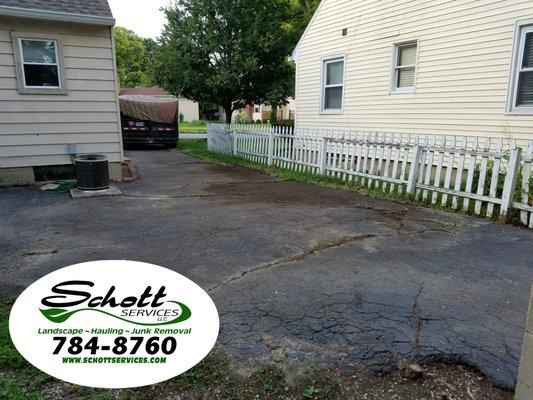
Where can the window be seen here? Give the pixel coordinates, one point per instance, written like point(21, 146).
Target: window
point(404, 67)
point(333, 85)
point(521, 93)
point(38, 64)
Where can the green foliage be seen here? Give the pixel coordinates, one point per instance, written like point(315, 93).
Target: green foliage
point(265, 121)
point(301, 13)
point(310, 392)
point(29, 380)
point(9, 357)
point(258, 121)
point(150, 47)
point(243, 118)
point(192, 127)
point(285, 122)
point(182, 117)
point(274, 115)
point(227, 52)
point(133, 60)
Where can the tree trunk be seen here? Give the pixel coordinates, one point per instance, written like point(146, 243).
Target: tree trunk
point(228, 110)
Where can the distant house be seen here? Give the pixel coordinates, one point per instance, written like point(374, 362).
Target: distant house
point(190, 109)
point(450, 67)
point(58, 88)
point(263, 111)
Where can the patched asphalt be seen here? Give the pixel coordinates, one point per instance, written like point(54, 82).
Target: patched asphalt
point(297, 271)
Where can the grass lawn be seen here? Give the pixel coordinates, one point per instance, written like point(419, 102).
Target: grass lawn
point(192, 127)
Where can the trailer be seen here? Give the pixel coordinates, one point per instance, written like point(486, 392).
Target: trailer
point(149, 120)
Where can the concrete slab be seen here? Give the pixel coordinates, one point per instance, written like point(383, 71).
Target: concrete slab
point(87, 194)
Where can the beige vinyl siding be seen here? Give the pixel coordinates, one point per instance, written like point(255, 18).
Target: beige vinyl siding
point(462, 76)
point(37, 129)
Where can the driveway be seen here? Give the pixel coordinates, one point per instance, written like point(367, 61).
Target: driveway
point(296, 270)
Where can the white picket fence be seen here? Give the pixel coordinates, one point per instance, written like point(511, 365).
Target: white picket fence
point(487, 176)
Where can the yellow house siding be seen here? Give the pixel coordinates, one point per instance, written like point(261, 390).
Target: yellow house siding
point(37, 129)
point(464, 58)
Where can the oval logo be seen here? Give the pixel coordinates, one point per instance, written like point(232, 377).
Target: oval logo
point(114, 324)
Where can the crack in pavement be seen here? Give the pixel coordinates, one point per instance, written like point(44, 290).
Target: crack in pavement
point(184, 163)
point(297, 257)
point(184, 196)
point(417, 318)
point(400, 216)
point(321, 247)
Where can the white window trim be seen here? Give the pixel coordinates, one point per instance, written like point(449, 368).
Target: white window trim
point(24, 63)
point(324, 61)
point(522, 27)
point(17, 38)
point(393, 89)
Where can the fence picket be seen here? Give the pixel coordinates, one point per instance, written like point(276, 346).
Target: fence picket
point(438, 177)
point(429, 172)
point(526, 189)
point(494, 178)
point(395, 164)
point(469, 180)
point(482, 177)
point(459, 174)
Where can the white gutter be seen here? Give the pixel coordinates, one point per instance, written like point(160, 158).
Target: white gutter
point(45, 15)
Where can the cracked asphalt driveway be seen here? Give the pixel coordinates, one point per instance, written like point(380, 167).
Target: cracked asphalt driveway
point(296, 270)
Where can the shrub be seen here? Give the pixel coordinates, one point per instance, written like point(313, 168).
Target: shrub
point(182, 117)
point(285, 122)
point(274, 115)
point(242, 118)
point(258, 121)
point(265, 121)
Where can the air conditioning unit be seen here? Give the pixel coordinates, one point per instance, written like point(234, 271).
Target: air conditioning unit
point(92, 172)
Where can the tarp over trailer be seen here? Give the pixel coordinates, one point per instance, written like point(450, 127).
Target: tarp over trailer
point(150, 108)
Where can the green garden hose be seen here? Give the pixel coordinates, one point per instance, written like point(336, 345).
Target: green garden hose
point(63, 187)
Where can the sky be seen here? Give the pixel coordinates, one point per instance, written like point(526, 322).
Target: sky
point(141, 16)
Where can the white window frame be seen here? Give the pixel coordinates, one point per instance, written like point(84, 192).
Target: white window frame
point(17, 39)
point(325, 61)
point(522, 28)
point(24, 63)
point(394, 89)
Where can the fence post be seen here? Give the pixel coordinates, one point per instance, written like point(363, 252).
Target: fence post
point(509, 186)
point(234, 138)
point(413, 171)
point(323, 155)
point(271, 148)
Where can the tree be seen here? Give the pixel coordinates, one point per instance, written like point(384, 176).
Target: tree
point(226, 52)
point(132, 61)
point(302, 11)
